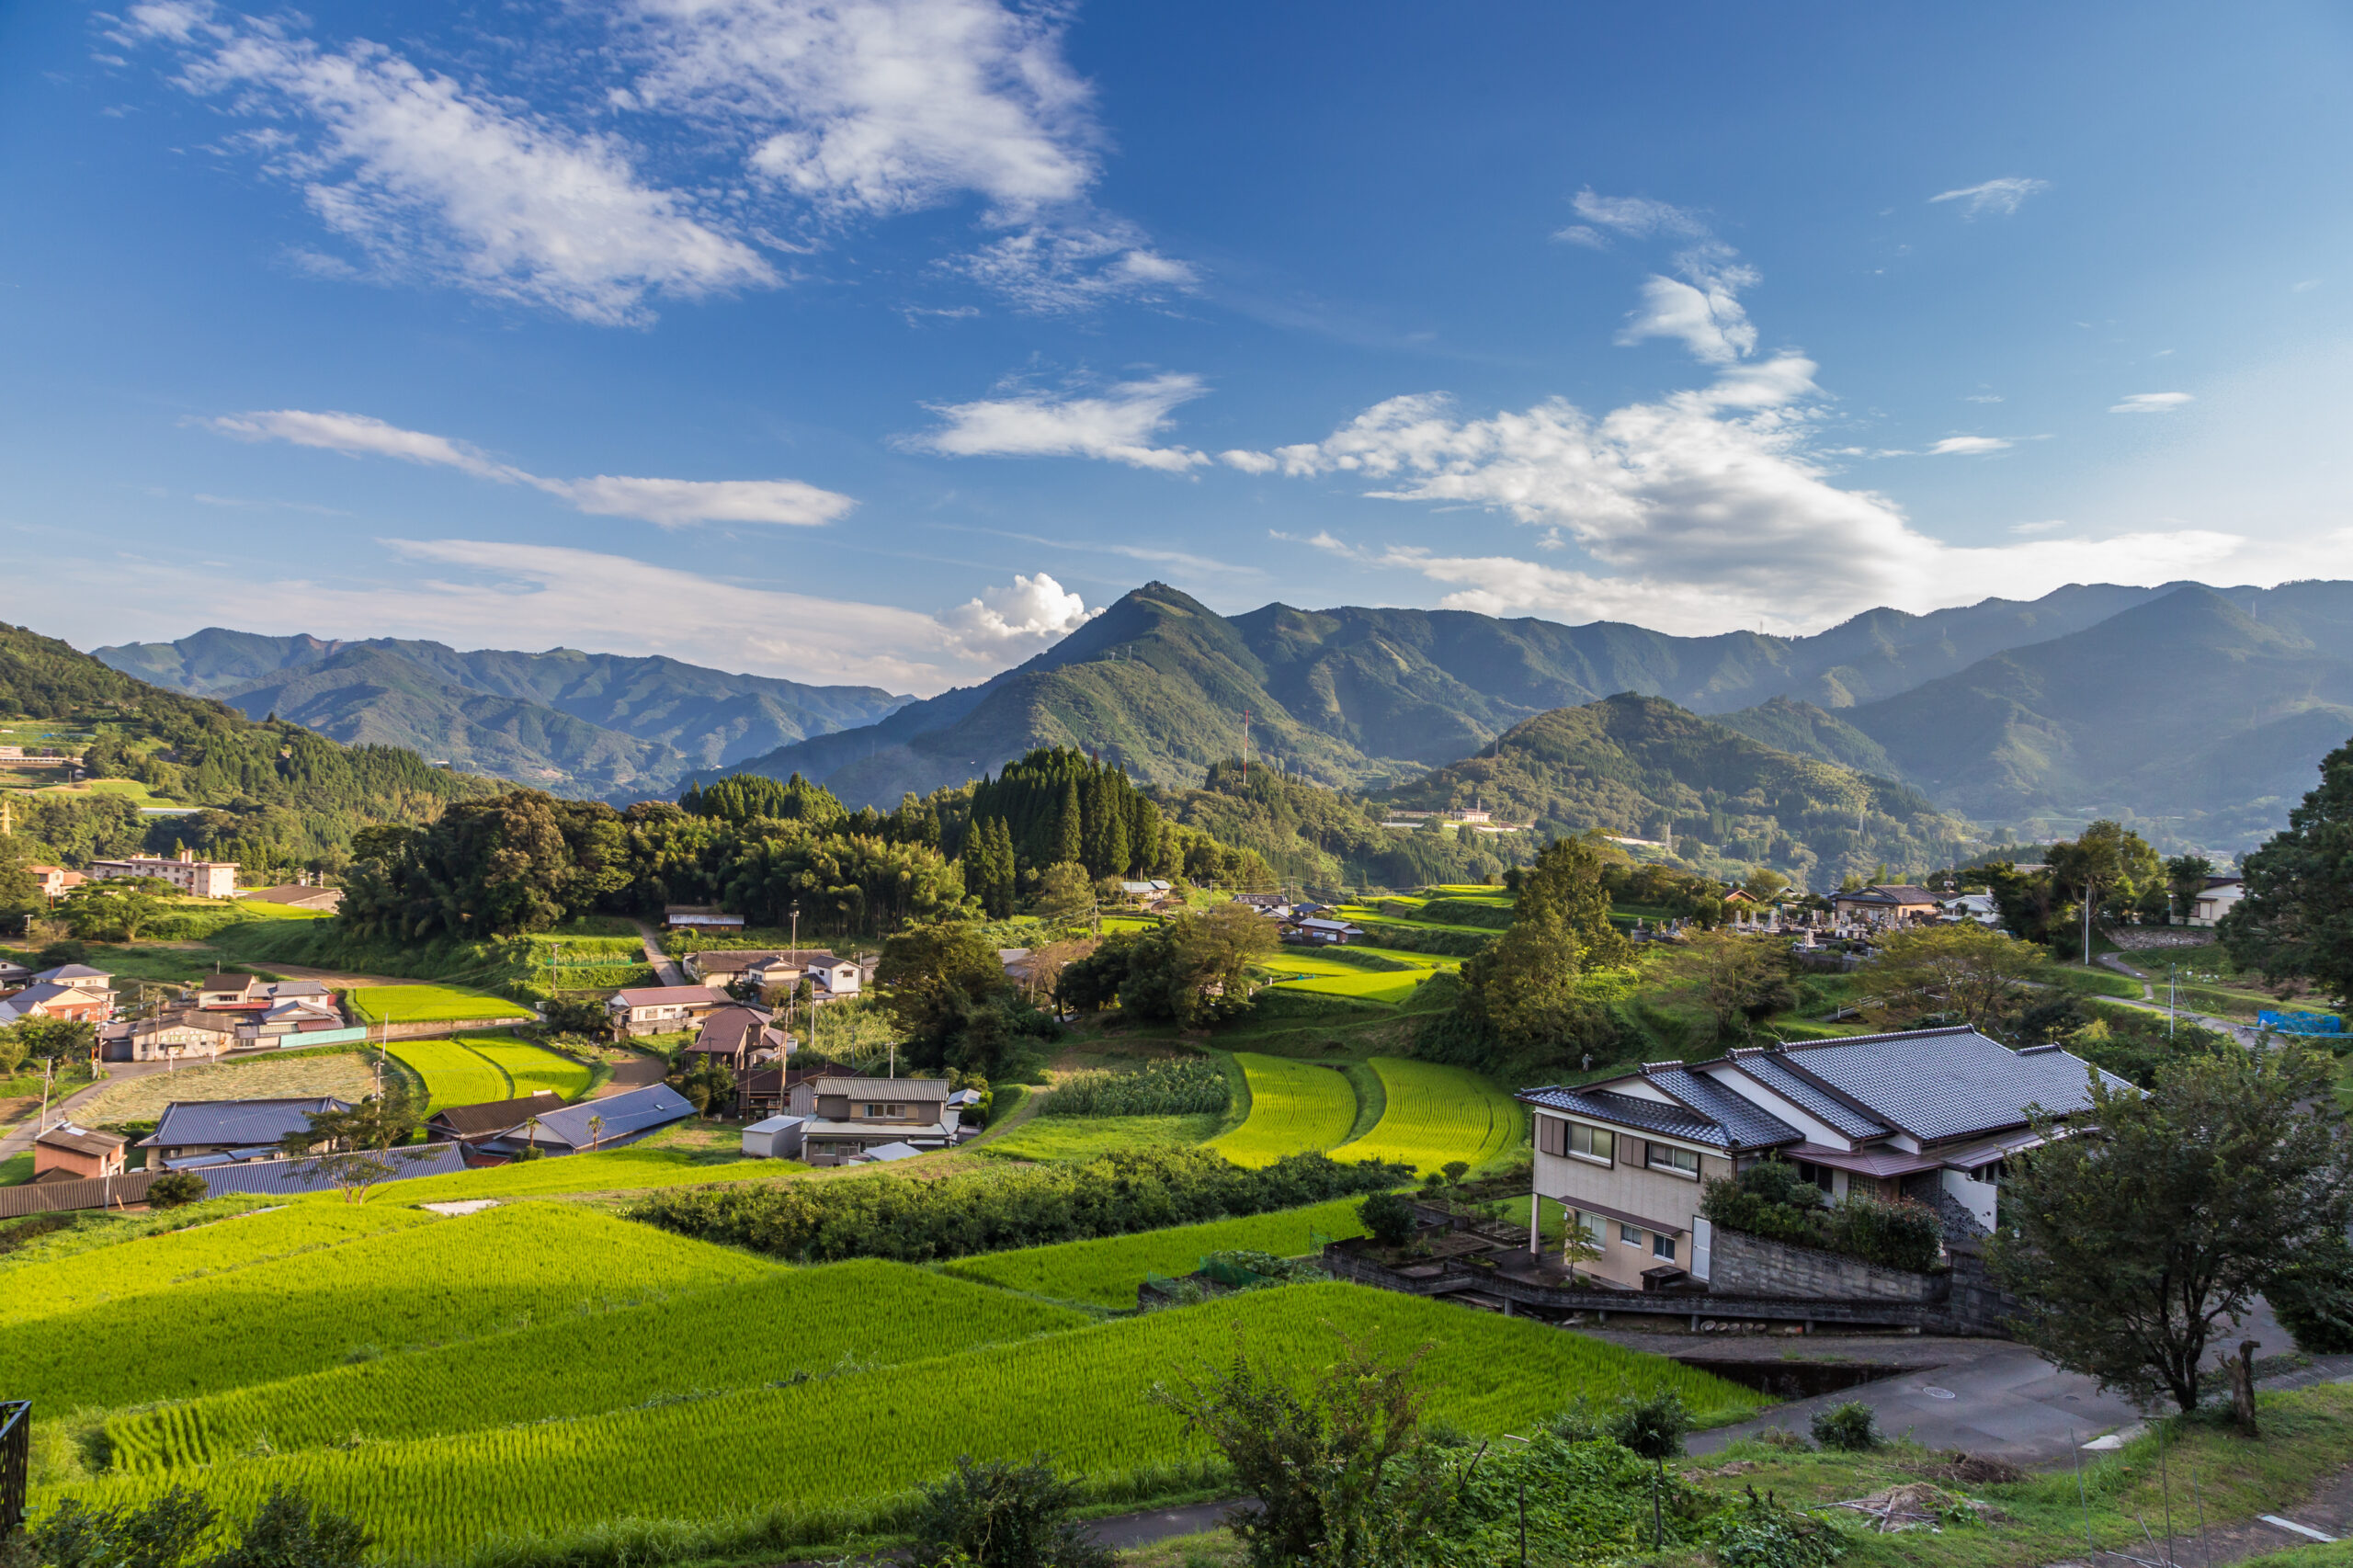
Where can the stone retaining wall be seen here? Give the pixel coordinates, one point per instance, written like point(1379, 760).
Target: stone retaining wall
point(1751, 1266)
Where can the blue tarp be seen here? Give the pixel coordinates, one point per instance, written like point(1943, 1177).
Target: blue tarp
point(2301, 1023)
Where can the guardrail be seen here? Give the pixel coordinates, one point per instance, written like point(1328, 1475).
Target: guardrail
point(15, 1463)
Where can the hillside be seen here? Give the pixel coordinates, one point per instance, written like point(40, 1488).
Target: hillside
point(2203, 711)
point(276, 793)
point(1643, 767)
point(1804, 730)
point(582, 724)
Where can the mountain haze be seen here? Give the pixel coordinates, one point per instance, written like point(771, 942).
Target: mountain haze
point(598, 724)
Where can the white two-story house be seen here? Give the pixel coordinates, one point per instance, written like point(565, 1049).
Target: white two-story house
point(1928, 1114)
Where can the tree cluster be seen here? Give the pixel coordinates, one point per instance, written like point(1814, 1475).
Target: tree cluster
point(1192, 969)
point(2296, 920)
point(1522, 1007)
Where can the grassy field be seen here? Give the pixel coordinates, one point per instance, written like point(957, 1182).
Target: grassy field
point(1081, 1395)
point(347, 1075)
point(430, 1003)
point(632, 1169)
point(1294, 1108)
point(1105, 1271)
point(529, 1068)
point(406, 1285)
point(1299, 969)
point(1081, 1137)
point(807, 1323)
point(1435, 1114)
point(451, 1074)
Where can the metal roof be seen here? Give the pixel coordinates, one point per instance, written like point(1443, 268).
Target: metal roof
point(234, 1123)
point(886, 1088)
point(1774, 1075)
point(1625, 1111)
point(1943, 1083)
point(1746, 1124)
point(672, 996)
point(640, 1110)
point(488, 1117)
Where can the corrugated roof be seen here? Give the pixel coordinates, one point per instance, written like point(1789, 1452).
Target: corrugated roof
point(885, 1088)
point(1746, 1124)
point(672, 996)
point(1943, 1083)
point(1775, 1075)
point(234, 1123)
point(81, 1139)
point(656, 1105)
point(496, 1116)
point(1625, 1111)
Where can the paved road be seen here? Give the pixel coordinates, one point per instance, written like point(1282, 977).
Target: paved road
point(2241, 1032)
point(19, 1138)
point(665, 969)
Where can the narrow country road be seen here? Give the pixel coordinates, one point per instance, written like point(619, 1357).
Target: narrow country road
point(665, 969)
point(2243, 1033)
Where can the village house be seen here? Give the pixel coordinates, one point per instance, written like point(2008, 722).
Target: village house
point(482, 1123)
point(736, 1036)
point(53, 882)
point(662, 1009)
point(175, 1032)
point(199, 878)
point(786, 1089)
point(700, 917)
point(67, 1152)
point(12, 975)
point(192, 1134)
point(613, 1123)
point(1884, 907)
point(46, 999)
point(1316, 931)
point(2216, 899)
point(853, 1115)
point(1925, 1114)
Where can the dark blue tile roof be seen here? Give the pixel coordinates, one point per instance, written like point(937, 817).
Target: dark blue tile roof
point(1944, 1083)
point(234, 1123)
point(1625, 1111)
point(640, 1110)
point(1769, 1070)
point(285, 1178)
point(1746, 1124)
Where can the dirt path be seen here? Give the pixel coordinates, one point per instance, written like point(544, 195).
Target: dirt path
point(665, 969)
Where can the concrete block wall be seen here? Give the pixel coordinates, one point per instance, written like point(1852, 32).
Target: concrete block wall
point(1751, 1266)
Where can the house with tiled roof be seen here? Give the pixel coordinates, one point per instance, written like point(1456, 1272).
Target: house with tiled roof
point(1924, 1114)
point(1888, 904)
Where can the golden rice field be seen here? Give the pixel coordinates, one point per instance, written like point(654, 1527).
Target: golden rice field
point(1295, 1108)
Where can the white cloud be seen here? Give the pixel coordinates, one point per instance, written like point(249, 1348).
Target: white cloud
point(1582, 234)
point(1047, 268)
point(1249, 462)
point(1999, 196)
point(1968, 446)
point(1118, 427)
point(2150, 402)
point(430, 180)
point(1983, 397)
point(2028, 530)
point(884, 106)
point(671, 503)
point(1638, 216)
point(1708, 318)
point(1009, 624)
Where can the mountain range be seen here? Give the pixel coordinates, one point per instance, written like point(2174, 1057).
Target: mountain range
point(2197, 713)
point(586, 724)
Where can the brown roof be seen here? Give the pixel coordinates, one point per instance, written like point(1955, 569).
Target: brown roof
point(295, 892)
point(82, 1142)
point(733, 960)
point(493, 1116)
point(732, 1031)
point(672, 996)
point(880, 1089)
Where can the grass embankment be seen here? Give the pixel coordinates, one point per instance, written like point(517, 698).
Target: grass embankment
point(1105, 1272)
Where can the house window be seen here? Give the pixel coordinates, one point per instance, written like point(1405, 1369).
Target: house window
point(1667, 1159)
point(1663, 1246)
point(1630, 1234)
point(1552, 1135)
point(1593, 1142)
point(885, 1111)
point(1818, 1174)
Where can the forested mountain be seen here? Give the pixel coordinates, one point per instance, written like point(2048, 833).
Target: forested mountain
point(579, 724)
point(1643, 767)
point(277, 794)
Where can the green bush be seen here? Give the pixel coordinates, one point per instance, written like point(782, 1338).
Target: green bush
point(1468, 912)
point(2312, 1299)
point(1190, 1085)
point(1769, 1199)
point(915, 1222)
point(1848, 1427)
point(1000, 1514)
point(178, 1189)
point(1763, 1532)
point(1389, 1218)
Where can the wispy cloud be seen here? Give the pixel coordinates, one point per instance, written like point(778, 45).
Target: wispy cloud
point(1968, 446)
point(1119, 426)
point(430, 180)
point(1049, 269)
point(671, 503)
point(1999, 197)
point(2151, 403)
point(1638, 216)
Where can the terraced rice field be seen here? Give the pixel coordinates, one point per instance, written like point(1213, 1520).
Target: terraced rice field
point(803, 1322)
point(1435, 1114)
point(473, 1069)
point(1300, 970)
point(631, 1169)
point(1081, 1395)
point(1105, 1271)
point(412, 1284)
point(1294, 1108)
point(430, 1004)
point(1083, 1137)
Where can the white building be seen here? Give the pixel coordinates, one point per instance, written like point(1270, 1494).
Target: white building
point(2220, 896)
point(199, 878)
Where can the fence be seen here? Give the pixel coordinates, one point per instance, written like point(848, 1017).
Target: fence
point(15, 1463)
point(2301, 1023)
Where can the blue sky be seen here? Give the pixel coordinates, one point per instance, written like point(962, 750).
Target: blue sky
point(883, 341)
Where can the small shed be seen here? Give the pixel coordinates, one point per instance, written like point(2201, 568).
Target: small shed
point(777, 1138)
point(882, 1153)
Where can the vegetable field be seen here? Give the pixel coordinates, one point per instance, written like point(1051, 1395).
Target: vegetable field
point(1107, 1271)
point(1294, 1108)
point(1436, 1113)
point(473, 1069)
point(412, 1284)
point(804, 1323)
point(1080, 1395)
point(429, 1005)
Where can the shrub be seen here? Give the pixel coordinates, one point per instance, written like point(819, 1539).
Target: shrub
point(1185, 1087)
point(1769, 1199)
point(1847, 1427)
point(2312, 1299)
point(915, 1222)
point(33, 1227)
point(1764, 1533)
point(1000, 1515)
point(1389, 1218)
point(1650, 1426)
point(177, 1190)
